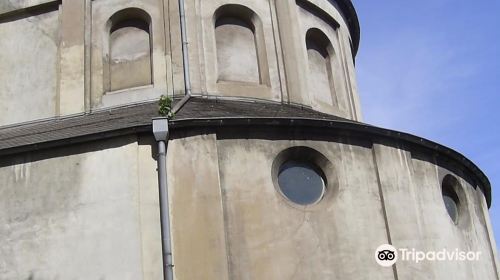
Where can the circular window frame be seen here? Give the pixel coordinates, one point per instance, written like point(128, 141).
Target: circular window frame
point(319, 174)
point(452, 188)
point(315, 159)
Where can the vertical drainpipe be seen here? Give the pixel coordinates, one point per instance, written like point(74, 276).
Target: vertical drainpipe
point(185, 58)
point(161, 133)
point(185, 53)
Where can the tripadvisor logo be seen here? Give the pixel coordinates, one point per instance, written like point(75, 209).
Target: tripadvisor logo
point(387, 255)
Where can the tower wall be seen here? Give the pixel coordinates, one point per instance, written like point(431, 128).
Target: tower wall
point(92, 209)
point(230, 220)
point(86, 211)
point(87, 55)
point(272, 82)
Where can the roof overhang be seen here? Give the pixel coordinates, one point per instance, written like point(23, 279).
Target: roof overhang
point(206, 113)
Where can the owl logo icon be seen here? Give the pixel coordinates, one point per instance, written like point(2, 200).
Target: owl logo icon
point(386, 255)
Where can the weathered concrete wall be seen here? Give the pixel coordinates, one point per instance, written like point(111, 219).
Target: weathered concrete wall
point(92, 210)
point(230, 222)
point(103, 94)
point(82, 212)
point(417, 219)
point(237, 54)
point(28, 66)
point(335, 100)
point(280, 34)
point(130, 55)
point(198, 234)
point(270, 239)
point(202, 17)
point(294, 20)
point(66, 49)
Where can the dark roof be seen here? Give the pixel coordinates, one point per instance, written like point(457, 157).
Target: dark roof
point(136, 118)
point(204, 112)
point(37, 134)
point(222, 108)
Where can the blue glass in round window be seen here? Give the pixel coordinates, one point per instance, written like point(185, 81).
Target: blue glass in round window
point(301, 182)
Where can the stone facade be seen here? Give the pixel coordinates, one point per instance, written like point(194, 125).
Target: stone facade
point(86, 55)
point(272, 81)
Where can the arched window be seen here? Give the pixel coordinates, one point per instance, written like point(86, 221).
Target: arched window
point(129, 50)
point(237, 44)
point(320, 74)
point(450, 190)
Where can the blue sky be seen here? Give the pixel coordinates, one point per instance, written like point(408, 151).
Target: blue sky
point(432, 68)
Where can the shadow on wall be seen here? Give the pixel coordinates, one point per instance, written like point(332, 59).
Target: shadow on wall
point(130, 50)
point(321, 56)
point(446, 165)
point(240, 45)
point(236, 50)
point(61, 152)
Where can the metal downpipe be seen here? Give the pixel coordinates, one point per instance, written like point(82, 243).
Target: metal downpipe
point(161, 133)
point(185, 48)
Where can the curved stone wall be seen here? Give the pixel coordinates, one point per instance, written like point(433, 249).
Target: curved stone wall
point(79, 193)
point(92, 198)
point(87, 211)
point(231, 222)
point(273, 59)
point(92, 55)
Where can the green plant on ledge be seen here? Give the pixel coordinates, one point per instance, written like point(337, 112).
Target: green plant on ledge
point(165, 107)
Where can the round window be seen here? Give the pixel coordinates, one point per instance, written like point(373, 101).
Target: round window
point(301, 182)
